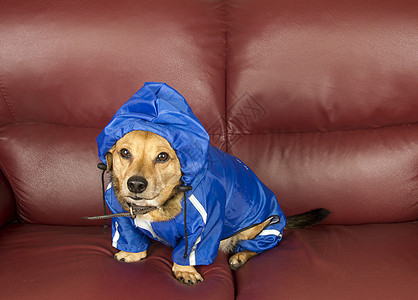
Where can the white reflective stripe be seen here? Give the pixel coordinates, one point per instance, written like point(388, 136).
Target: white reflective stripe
point(270, 232)
point(199, 207)
point(145, 224)
point(109, 186)
point(116, 236)
point(192, 256)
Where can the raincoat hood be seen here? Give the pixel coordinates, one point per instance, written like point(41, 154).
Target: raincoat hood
point(160, 109)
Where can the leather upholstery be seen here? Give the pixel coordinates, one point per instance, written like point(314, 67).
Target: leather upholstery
point(330, 262)
point(322, 104)
point(79, 263)
point(74, 63)
point(319, 98)
point(7, 202)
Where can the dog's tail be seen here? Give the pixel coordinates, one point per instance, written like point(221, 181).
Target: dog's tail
point(307, 219)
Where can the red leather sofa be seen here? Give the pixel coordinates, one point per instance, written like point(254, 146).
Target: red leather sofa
point(319, 98)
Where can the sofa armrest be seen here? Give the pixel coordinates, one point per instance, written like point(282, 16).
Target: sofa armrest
point(7, 202)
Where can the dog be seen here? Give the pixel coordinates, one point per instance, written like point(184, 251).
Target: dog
point(183, 192)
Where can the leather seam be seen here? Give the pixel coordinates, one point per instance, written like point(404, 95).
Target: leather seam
point(6, 99)
point(226, 133)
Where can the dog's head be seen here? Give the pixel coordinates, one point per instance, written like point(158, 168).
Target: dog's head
point(145, 171)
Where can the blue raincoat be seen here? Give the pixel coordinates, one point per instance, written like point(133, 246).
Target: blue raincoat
point(226, 196)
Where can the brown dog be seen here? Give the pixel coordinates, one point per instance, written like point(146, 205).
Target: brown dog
point(146, 174)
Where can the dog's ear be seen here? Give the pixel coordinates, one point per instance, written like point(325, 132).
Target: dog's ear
point(109, 159)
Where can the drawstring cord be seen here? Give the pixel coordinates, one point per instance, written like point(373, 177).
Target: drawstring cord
point(103, 167)
point(185, 188)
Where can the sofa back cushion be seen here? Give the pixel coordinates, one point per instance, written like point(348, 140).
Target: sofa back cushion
point(67, 66)
point(322, 102)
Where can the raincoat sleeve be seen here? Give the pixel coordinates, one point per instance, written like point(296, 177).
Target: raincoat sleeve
point(126, 237)
point(204, 230)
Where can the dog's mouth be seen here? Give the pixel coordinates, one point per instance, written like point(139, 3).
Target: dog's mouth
point(138, 201)
point(139, 197)
point(140, 210)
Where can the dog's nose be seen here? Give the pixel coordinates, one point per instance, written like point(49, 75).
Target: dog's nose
point(137, 184)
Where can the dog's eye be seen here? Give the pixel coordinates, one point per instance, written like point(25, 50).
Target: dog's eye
point(162, 157)
point(125, 153)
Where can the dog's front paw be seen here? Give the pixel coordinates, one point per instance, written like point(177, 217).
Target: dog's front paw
point(186, 274)
point(130, 257)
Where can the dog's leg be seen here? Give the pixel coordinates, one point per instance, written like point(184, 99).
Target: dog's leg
point(237, 260)
point(186, 274)
point(130, 257)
